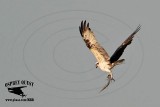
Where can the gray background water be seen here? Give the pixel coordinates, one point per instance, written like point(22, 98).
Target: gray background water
point(40, 42)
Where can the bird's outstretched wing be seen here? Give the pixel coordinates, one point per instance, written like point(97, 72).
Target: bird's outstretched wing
point(119, 51)
point(91, 42)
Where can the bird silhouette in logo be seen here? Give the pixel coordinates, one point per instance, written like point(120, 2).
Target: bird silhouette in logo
point(17, 90)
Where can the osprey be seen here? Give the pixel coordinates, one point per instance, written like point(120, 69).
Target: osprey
point(104, 61)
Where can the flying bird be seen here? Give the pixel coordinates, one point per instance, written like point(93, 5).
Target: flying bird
point(104, 61)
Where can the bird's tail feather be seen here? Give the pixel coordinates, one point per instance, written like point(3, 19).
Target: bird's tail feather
point(119, 61)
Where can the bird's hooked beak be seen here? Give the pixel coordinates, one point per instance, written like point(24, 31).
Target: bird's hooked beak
point(96, 64)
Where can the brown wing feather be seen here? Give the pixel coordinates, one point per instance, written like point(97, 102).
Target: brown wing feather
point(119, 51)
point(91, 42)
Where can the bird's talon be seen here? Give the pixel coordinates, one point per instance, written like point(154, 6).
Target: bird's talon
point(113, 79)
point(110, 77)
